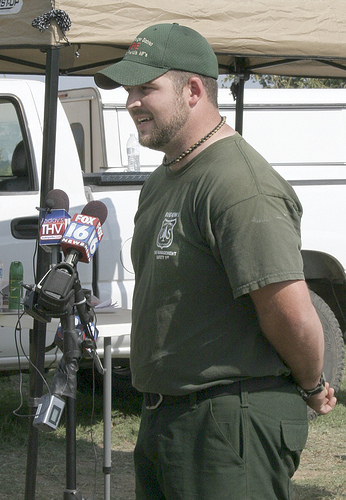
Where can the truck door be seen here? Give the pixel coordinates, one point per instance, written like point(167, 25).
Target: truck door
point(19, 196)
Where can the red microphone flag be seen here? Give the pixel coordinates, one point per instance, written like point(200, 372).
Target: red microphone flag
point(84, 235)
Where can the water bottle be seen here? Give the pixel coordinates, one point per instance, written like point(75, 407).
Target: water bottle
point(15, 286)
point(1, 283)
point(132, 148)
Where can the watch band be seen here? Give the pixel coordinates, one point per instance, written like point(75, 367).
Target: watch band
point(307, 393)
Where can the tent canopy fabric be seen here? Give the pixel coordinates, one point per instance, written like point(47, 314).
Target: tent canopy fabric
point(252, 36)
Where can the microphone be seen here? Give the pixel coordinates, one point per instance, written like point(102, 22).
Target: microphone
point(96, 209)
point(54, 218)
point(83, 235)
point(57, 198)
point(79, 242)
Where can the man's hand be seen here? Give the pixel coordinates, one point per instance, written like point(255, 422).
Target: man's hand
point(324, 402)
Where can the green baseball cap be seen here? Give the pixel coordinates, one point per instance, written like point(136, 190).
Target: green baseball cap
point(155, 51)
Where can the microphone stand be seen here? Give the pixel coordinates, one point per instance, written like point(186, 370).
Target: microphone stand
point(60, 295)
point(73, 347)
point(71, 357)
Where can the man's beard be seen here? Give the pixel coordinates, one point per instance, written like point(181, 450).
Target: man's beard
point(162, 135)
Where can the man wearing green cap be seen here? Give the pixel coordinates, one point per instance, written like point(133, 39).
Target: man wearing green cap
point(226, 345)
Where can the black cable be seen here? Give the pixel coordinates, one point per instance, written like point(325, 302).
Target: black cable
point(18, 329)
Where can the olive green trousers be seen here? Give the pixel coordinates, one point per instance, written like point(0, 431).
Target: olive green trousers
point(245, 446)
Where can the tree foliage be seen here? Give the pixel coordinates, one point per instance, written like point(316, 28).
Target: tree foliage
point(291, 82)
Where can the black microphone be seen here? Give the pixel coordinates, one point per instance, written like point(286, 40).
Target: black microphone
point(83, 235)
point(54, 218)
point(57, 198)
point(79, 243)
point(97, 209)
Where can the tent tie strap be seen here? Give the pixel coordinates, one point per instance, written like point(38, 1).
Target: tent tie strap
point(61, 17)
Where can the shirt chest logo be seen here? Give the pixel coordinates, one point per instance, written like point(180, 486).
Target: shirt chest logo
point(165, 236)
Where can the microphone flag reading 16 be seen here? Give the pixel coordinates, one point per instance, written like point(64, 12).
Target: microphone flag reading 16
point(83, 234)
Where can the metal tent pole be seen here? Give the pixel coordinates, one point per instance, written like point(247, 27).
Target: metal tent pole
point(38, 335)
point(239, 105)
point(107, 417)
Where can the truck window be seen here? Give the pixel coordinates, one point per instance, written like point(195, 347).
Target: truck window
point(78, 134)
point(15, 170)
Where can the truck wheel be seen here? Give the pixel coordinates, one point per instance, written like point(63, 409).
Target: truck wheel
point(334, 345)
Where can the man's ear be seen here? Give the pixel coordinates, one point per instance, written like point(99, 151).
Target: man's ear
point(196, 90)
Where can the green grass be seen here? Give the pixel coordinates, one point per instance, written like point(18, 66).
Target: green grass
point(322, 473)
point(51, 458)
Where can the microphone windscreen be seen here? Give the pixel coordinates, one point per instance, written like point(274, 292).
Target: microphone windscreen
point(57, 199)
point(97, 209)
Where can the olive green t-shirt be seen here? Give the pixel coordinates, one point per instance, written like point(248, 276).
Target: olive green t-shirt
point(205, 236)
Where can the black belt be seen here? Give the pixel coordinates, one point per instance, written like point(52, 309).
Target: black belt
point(153, 400)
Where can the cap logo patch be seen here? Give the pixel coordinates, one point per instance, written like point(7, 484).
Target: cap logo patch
point(134, 47)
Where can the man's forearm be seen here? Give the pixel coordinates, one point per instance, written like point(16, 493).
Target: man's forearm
point(290, 323)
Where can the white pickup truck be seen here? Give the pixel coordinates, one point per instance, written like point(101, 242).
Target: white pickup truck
point(300, 132)
point(109, 274)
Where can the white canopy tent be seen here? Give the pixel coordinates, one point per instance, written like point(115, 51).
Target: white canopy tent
point(261, 36)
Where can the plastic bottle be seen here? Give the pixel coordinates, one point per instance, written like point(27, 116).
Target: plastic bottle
point(1, 283)
point(132, 148)
point(15, 286)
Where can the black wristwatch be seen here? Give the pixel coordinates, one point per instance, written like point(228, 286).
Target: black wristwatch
point(307, 393)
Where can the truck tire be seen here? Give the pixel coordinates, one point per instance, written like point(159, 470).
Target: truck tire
point(334, 355)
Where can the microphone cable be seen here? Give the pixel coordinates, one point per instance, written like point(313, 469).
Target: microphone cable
point(19, 342)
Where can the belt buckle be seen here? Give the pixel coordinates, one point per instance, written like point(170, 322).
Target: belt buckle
point(153, 407)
